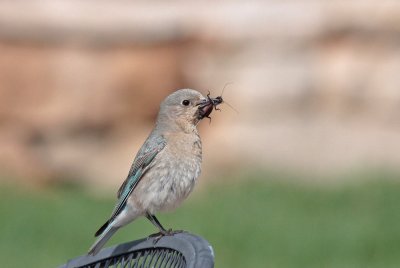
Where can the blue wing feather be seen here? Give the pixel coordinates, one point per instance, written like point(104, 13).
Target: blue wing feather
point(144, 158)
point(135, 174)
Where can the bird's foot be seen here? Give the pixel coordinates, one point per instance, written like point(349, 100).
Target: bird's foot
point(157, 236)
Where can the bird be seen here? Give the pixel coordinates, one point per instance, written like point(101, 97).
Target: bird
point(166, 167)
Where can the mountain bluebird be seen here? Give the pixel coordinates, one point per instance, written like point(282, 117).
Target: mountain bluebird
point(166, 167)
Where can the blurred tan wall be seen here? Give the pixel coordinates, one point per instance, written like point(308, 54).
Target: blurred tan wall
point(316, 84)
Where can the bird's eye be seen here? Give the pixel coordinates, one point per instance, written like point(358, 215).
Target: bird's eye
point(186, 102)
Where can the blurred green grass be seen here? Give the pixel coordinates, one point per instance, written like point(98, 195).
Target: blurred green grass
point(252, 222)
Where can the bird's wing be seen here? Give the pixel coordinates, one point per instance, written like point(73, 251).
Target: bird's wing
point(142, 161)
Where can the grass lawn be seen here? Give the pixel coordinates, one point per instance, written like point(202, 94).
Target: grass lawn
point(251, 223)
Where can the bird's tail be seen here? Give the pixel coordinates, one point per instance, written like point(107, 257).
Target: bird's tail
point(103, 238)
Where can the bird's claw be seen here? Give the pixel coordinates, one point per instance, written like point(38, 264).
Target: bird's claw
point(157, 236)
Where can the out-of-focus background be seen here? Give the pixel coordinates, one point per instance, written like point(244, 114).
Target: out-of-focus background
point(304, 174)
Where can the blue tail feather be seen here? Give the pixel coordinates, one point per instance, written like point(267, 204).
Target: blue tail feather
point(107, 231)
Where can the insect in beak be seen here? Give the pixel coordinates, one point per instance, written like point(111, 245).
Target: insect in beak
point(207, 105)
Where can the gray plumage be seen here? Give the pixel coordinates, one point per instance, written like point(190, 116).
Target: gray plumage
point(166, 167)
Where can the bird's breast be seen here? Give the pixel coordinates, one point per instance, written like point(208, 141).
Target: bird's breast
point(172, 177)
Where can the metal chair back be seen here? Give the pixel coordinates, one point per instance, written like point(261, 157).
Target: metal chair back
point(181, 250)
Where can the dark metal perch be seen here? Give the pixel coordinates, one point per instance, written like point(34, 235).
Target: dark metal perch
point(179, 250)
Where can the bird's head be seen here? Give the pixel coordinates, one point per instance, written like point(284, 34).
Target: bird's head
point(184, 108)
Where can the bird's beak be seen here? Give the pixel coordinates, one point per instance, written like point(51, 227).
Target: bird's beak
point(206, 106)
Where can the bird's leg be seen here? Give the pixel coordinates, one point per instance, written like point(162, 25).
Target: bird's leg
point(156, 223)
point(163, 231)
point(167, 232)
